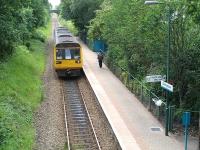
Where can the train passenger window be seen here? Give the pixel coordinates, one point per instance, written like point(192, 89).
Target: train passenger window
point(59, 54)
point(68, 54)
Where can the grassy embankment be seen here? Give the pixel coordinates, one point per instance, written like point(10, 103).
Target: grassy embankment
point(21, 94)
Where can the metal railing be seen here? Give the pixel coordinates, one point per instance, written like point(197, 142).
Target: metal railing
point(146, 96)
point(137, 87)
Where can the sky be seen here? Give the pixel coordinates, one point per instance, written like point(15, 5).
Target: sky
point(54, 2)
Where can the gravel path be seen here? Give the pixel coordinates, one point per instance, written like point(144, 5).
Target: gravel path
point(49, 118)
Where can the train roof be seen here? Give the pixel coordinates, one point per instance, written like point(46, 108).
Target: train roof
point(66, 42)
point(62, 32)
point(65, 35)
point(64, 38)
point(61, 28)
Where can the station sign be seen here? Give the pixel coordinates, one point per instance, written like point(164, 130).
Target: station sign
point(155, 78)
point(167, 86)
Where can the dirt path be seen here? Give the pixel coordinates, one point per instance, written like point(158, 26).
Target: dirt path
point(49, 118)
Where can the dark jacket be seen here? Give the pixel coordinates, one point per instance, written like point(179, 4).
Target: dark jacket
point(100, 56)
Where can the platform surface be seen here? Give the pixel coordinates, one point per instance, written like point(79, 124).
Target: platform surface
point(129, 119)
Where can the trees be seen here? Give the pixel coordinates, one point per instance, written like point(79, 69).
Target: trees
point(18, 19)
point(136, 35)
point(80, 11)
point(137, 39)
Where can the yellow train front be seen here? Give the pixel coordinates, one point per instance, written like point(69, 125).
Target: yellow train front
point(68, 60)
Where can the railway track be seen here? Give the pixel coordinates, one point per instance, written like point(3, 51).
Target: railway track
point(80, 130)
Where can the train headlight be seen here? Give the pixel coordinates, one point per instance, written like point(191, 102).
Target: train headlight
point(58, 62)
point(78, 61)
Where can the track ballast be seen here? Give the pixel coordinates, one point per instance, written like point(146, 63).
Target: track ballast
point(80, 130)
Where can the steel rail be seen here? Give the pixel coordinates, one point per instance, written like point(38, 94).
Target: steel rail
point(65, 115)
point(90, 121)
point(79, 128)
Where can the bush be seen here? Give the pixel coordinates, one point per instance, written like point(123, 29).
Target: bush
point(69, 25)
point(28, 45)
point(20, 94)
point(39, 35)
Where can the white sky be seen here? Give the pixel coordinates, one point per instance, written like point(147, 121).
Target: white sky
point(54, 2)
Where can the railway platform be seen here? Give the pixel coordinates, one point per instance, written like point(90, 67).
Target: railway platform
point(129, 119)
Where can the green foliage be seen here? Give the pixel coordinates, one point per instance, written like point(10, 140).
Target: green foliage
point(38, 34)
point(136, 35)
point(20, 84)
point(193, 8)
point(69, 25)
point(20, 94)
point(17, 21)
point(80, 11)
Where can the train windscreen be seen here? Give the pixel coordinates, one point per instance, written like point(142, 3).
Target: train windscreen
point(67, 54)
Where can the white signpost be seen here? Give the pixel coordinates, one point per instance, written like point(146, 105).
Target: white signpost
point(167, 86)
point(155, 78)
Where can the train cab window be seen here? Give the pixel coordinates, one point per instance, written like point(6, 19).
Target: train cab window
point(68, 54)
point(59, 54)
point(75, 53)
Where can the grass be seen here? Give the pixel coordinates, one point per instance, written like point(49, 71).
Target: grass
point(20, 95)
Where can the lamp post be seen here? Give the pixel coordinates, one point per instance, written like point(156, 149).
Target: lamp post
point(154, 2)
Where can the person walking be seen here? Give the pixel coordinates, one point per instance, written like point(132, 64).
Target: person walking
point(100, 59)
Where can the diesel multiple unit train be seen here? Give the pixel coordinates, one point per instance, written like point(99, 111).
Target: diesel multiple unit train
point(68, 59)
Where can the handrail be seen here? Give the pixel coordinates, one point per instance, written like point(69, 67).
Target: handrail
point(134, 78)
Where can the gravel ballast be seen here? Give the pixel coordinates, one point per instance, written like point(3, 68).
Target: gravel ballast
point(49, 118)
point(105, 135)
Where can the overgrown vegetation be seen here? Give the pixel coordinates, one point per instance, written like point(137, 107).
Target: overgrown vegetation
point(80, 12)
point(22, 46)
point(136, 35)
point(137, 38)
point(69, 25)
point(20, 94)
point(18, 20)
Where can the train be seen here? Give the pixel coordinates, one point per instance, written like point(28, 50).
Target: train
point(67, 51)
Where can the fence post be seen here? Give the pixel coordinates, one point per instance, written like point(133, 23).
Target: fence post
point(113, 68)
point(132, 84)
point(171, 117)
point(158, 113)
point(118, 73)
point(141, 92)
point(128, 81)
point(134, 89)
point(150, 99)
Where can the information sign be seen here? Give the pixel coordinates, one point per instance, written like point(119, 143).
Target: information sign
point(155, 78)
point(167, 86)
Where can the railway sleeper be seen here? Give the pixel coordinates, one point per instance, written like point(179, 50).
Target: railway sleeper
point(75, 111)
point(78, 114)
point(81, 147)
point(75, 105)
point(79, 117)
point(86, 142)
point(79, 131)
point(81, 123)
